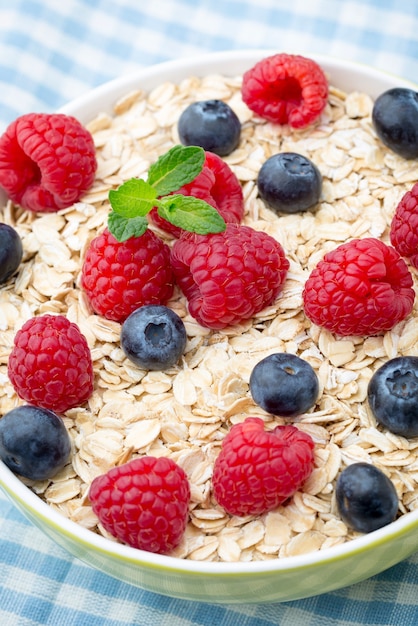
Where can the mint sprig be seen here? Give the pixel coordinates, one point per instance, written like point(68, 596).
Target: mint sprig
point(176, 168)
point(123, 228)
point(192, 214)
point(135, 198)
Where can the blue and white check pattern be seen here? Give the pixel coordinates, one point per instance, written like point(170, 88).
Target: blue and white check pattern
point(52, 52)
point(41, 584)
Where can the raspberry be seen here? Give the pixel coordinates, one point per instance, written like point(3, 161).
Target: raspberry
point(218, 186)
point(404, 226)
point(143, 503)
point(118, 277)
point(256, 471)
point(226, 190)
point(47, 161)
point(363, 287)
point(286, 89)
point(50, 364)
point(228, 277)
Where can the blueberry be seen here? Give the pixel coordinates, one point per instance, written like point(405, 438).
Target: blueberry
point(395, 120)
point(392, 394)
point(284, 384)
point(366, 497)
point(11, 251)
point(289, 183)
point(153, 337)
point(34, 442)
point(210, 124)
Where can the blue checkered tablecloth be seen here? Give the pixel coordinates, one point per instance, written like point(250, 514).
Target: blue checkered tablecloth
point(51, 52)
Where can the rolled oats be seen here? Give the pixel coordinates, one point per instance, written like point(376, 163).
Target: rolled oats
point(186, 412)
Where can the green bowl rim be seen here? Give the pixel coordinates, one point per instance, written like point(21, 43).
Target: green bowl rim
point(34, 507)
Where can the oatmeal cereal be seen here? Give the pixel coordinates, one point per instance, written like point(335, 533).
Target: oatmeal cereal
point(185, 412)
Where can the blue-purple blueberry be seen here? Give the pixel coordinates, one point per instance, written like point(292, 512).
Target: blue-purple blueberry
point(395, 120)
point(290, 183)
point(34, 442)
point(210, 124)
point(11, 251)
point(284, 384)
point(153, 337)
point(366, 497)
point(392, 394)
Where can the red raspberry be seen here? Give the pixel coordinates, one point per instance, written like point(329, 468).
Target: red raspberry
point(286, 89)
point(218, 186)
point(143, 503)
point(363, 287)
point(119, 277)
point(50, 364)
point(256, 471)
point(228, 277)
point(226, 190)
point(404, 226)
point(47, 161)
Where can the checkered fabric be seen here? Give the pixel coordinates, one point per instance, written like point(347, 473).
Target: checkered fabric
point(52, 52)
point(41, 584)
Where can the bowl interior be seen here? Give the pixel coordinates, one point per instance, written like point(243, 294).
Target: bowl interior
point(272, 580)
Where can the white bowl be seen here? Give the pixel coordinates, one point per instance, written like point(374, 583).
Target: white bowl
point(280, 579)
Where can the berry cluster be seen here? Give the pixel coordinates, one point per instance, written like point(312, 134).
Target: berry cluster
point(218, 186)
point(362, 287)
point(50, 367)
point(227, 277)
point(145, 502)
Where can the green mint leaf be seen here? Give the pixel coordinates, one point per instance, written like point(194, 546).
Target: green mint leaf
point(133, 198)
point(176, 168)
point(192, 214)
point(123, 228)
